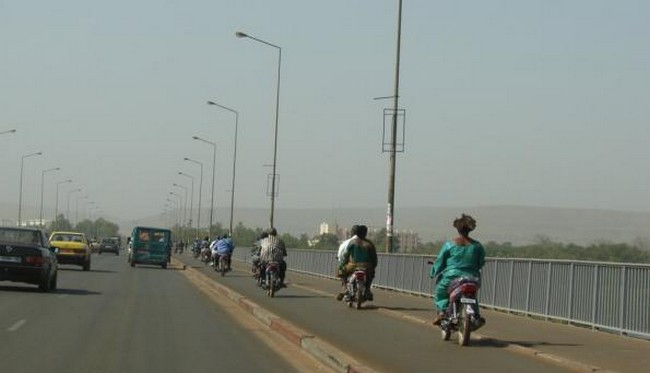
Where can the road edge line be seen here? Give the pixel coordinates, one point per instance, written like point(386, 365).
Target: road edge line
point(314, 346)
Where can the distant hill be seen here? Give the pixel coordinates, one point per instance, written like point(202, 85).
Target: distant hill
point(515, 224)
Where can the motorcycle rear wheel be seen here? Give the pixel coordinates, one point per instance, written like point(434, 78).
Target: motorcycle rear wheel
point(445, 334)
point(358, 297)
point(464, 327)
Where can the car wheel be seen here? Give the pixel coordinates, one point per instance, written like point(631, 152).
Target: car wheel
point(53, 282)
point(45, 285)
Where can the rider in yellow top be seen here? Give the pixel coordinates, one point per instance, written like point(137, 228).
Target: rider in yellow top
point(459, 257)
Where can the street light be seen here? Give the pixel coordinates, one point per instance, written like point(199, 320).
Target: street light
point(198, 218)
point(68, 202)
point(191, 195)
point(184, 206)
point(214, 161)
point(76, 210)
point(234, 161)
point(89, 210)
point(277, 107)
point(20, 194)
point(8, 131)
point(177, 206)
point(56, 208)
point(393, 148)
point(40, 217)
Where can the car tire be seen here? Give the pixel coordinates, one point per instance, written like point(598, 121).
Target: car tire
point(46, 285)
point(53, 282)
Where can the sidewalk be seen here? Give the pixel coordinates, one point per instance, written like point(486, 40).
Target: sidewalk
point(570, 347)
point(576, 348)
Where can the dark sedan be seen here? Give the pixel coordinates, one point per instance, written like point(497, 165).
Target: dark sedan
point(26, 256)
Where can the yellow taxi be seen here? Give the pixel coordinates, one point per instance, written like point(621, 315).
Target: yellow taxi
point(73, 248)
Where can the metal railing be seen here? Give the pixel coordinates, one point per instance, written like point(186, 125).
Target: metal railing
point(605, 296)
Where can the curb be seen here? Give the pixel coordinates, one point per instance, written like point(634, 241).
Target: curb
point(317, 348)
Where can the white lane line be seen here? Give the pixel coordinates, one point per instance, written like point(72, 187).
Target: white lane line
point(17, 325)
point(63, 295)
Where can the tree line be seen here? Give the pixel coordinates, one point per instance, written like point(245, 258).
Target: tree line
point(92, 229)
point(542, 247)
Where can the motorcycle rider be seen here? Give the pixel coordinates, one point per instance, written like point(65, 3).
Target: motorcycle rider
point(224, 246)
point(205, 248)
point(460, 257)
point(361, 253)
point(274, 249)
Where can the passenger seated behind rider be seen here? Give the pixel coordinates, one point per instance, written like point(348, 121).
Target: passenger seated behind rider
point(273, 249)
point(343, 248)
point(255, 252)
point(361, 253)
point(459, 257)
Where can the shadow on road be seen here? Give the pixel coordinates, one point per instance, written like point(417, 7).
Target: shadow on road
point(76, 292)
point(405, 309)
point(493, 342)
point(20, 289)
point(66, 269)
point(300, 296)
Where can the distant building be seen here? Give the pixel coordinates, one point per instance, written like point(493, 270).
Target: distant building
point(35, 223)
point(324, 228)
point(409, 240)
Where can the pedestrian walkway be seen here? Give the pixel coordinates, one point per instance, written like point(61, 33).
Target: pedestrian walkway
point(574, 347)
point(571, 347)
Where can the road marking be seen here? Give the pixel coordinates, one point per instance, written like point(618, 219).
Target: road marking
point(17, 325)
point(63, 295)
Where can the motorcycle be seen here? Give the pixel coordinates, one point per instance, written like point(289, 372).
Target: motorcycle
point(357, 291)
point(462, 314)
point(258, 273)
point(271, 281)
point(221, 264)
point(206, 256)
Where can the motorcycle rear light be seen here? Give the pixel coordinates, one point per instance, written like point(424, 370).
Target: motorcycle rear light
point(36, 261)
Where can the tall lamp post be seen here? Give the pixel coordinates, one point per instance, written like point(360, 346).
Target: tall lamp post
point(56, 205)
point(40, 217)
point(277, 107)
point(20, 194)
point(214, 161)
point(178, 207)
point(198, 218)
point(68, 202)
point(184, 206)
point(8, 131)
point(393, 148)
point(234, 161)
point(191, 196)
point(76, 209)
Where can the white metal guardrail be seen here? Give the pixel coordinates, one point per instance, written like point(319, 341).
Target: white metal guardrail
point(606, 296)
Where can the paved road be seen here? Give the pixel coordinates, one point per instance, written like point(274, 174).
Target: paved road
point(121, 319)
point(377, 339)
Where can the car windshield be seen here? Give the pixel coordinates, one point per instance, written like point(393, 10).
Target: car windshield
point(66, 238)
point(19, 236)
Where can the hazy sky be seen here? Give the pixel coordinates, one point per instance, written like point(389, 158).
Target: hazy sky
point(534, 103)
